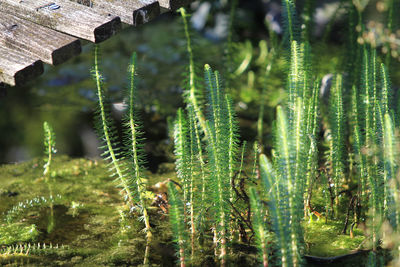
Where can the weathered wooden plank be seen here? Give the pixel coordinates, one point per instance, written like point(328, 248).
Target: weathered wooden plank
point(132, 12)
point(64, 16)
point(174, 4)
point(40, 42)
point(16, 67)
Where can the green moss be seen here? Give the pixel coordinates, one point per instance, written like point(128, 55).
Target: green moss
point(325, 239)
point(18, 232)
point(88, 222)
point(87, 218)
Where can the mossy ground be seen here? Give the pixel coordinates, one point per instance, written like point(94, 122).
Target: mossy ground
point(86, 219)
point(325, 239)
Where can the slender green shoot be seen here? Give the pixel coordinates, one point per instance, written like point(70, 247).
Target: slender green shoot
point(177, 221)
point(50, 147)
point(259, 226)
point(133, 141)
point(193, 94)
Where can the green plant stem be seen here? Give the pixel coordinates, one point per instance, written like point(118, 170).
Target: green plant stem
point(285, 154)
point(134, 150)
point(192, 75)
point(217, 149)
point(105, 130)
point(177, 222)
point(272, 185)
point(259, 226)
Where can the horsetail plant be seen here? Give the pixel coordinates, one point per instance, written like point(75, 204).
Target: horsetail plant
point(108, 135)
point(184, 153)
point(373, 177)
point(337, 135)
point(259, 226)
point(134, 145)
point(233, 148)
point(285, 188)
point(129, 176)
point(386, 126)
point(296, 77)
point(312, 158)
point(177, 221)
point(193, 94)
point(386, 89)
point(391, 164)
point(285, 164)
point(390, 171)
point(218, 128)
point(291, 23)
point(198, 169)
point(279, 208)
point(50, 147)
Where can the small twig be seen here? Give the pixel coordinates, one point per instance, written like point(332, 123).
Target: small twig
point(349, 209)
point(241, 217)
point(176, 183)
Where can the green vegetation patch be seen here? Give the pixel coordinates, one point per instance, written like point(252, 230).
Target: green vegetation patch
point(18, 232)
point(324, 239)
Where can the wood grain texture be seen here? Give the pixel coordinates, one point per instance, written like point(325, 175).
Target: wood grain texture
point(49, 46)
point(174, 4)
point(16, 67)
point(64, 16)
point(133, 12)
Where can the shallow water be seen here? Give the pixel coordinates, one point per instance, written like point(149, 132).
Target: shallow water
point(65, 95)
point(88, 225)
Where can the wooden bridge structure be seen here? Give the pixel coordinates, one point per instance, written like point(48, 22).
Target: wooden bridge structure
point(33, 32)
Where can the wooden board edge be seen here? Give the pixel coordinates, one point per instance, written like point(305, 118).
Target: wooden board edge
point(146, 13)
point(105, 31)
point(66, 52)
